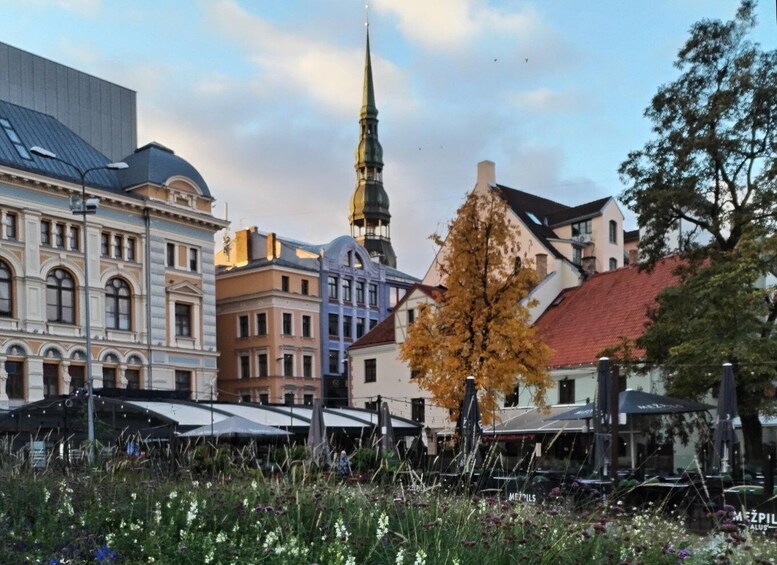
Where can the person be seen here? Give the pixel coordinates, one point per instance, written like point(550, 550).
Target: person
point(344, 465)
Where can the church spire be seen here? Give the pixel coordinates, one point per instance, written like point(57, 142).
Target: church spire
point(370, 218)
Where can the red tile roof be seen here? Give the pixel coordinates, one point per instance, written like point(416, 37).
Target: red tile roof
point(596, 314)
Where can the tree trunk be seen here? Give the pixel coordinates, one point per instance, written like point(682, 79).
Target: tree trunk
point(752, 433)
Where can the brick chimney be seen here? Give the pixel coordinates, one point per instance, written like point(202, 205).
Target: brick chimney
point(633, 256)
point(243, 246)
point(273, 246)
point(589, 266)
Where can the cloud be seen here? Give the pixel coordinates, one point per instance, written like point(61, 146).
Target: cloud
point(546, 100)
point(89, 8)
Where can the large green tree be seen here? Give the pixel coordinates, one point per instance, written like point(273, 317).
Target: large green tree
point(480, 325)
point(706, 181)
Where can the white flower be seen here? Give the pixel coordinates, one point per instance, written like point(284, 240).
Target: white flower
point(400, 556)
point(420, 557)
point(340, 530)
point(383, 522)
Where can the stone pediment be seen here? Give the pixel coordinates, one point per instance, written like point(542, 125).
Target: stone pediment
point(185, 288)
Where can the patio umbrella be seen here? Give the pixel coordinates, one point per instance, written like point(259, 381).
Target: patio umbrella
point(235, 426)
point(601, 412)
point(725, 438)
point(469, 427)
point(318, 444)
point(385, 429)
point(636, 402)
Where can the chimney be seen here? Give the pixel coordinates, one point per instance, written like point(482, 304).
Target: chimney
point(589, 266)
point(273, 246)
point(633, 256)
point(487, 173)
point(243, 247)
point(541, 264)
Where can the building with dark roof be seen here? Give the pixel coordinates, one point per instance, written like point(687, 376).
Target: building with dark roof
point(148, 249)
point(288, 311)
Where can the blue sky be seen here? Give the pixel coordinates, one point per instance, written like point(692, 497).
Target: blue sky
point(263, 96)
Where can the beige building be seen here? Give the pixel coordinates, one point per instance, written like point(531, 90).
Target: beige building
point(268, 302)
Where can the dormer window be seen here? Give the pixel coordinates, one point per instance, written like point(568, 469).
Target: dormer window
point(14, 137)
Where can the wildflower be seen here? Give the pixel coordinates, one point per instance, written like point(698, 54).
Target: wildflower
point(400, 556)
point(383, 522)
point(420, 557)
point(104, 553)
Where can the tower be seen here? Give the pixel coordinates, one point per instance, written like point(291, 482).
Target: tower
point(369, 212)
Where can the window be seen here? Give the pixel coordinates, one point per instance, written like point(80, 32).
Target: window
point(10, 226)
point(566, 391)
point(15, 139)
point(193, 260)
point(133, 378)
point(14, 385)
point(360, 292)
point(183, 320)
point(118, 242)
point(288, 399)
point(264, 398)
point(581, 228)
point(307, 366)
point(359, 327)
point(50, 380)
point(613, 263)
point(410, 316)
point(285, 283)
point(242, 326)
point(305, 287)
point(45, 232)
point(59, 235)
point(60, 297)
point(261, 323)
point(109, 377)
point(373, 294)
point(373, 323)
point(334, 362)
point(105, 243)
point(76, 373)
point(332, 284)
point(287, 323)
point(72, 238)
point(306, 326)
point(396, 294)
point(183, 380)
point(370, 370)
point(171, 255)
point(288, 365)
point(130, 249)
point(308, 400)
point(417, 410)
point(347, 321)
point(613, 231)
point(577, 256)
point(6, 296)
point(117, 304)
point(245, 367)
point(346, 290)
point(263, 365)
point(513, 398)
point(334, 320)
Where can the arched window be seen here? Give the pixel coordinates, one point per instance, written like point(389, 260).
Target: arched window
point(6, 298)
point(613, 231)
point(60, 297)
point(117, 305)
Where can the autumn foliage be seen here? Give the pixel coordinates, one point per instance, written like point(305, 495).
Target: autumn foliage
point(478, 325)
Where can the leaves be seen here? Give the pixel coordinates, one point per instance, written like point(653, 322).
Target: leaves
point(479, 325)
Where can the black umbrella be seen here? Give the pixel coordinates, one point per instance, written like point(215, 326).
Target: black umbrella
point(385, 428)
point(318, 444)
point(725, 438)
point(636, 402)
point(469, 426)
point(601, 413)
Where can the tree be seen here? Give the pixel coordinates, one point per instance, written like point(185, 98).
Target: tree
point(711, 167)
point(479, 325)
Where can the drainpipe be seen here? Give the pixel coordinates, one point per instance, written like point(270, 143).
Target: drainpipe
point(147, 267)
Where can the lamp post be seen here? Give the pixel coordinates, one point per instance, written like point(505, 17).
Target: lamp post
point(84, 207)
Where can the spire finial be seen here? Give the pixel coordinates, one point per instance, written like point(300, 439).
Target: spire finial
point(367, 16)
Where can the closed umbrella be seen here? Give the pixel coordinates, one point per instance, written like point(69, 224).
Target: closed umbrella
point(318, 444)
point(469, 426)
point(601, 415)
point(385, 428)
point(725, 438)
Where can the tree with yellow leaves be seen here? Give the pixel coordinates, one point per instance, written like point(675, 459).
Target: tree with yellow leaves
point(478, 325)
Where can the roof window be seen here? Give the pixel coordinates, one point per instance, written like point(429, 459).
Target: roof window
point(533, 218)
point(14, 137)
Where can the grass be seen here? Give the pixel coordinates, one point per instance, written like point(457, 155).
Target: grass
point(126, 514)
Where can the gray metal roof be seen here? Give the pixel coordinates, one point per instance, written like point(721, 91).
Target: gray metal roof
point(35, 128)
point(156, 163)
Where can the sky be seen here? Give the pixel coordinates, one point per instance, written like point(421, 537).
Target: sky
point(263, 96)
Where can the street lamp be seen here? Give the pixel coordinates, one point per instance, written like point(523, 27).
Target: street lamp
point(83, 207)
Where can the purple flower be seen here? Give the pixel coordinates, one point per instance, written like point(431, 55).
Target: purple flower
point(684, 554)
point(104, 553)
